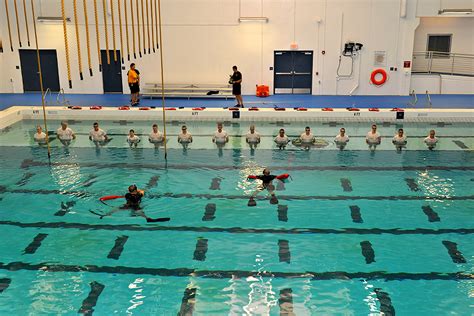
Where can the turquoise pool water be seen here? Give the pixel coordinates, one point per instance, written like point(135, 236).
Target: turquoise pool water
point(355, 232)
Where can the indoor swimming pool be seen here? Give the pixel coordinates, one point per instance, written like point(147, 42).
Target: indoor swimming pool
point(356, 232)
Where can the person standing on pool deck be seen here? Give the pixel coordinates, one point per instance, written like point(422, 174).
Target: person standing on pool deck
point(236, 81)
point(373, 138)
point(341, 139)
point(98, 135)
point(266, 179)
point(65, 134)
point(431, 140)
point(134, 84)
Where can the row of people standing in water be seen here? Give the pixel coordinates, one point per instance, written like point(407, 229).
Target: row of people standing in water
point(220, 137)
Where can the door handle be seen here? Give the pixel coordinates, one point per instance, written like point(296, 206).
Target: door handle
point(119, 73)
point(283, 73)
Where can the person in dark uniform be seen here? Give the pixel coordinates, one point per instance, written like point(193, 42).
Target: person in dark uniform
point(236, 81)
point(266, 179)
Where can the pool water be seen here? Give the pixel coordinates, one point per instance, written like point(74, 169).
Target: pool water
point(355, 232)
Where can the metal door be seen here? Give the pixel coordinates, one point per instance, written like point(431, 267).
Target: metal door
point(111, 73)
point(30, 73)
point(292, 72)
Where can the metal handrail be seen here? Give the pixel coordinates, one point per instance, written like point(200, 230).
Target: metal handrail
point(443, 63)
point(64, 102)
point(415, 98)
point(46, 94)
point(428, 98)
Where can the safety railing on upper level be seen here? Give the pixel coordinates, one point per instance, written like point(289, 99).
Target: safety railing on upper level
point(443, 63)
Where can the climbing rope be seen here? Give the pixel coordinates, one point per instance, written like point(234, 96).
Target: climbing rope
point(133, 30)
point(126, 27)
point(63, 13)
point(40, 79)
point(138, 29)
point(113, 29)
point(78, 41)
point(162, 80)
point(152, 28)
point(17, 22)
point(120, 28)
point(97, 36)
point(148, 25)
point(86, 20)
point(104, 7)
point(143, 28)
point(156, 24)
point(8, 23)
point(26, 23)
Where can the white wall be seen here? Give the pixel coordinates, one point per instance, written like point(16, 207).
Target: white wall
point(442, 84)
point(203, 39)
point(431, 7)
point(462, 29)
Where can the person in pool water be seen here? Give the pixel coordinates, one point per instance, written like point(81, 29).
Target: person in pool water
point(132, 202)
point(266, 184)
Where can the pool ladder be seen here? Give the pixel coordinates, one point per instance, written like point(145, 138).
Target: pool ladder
point(415, 99)
point(61, 98)
point(428, 100)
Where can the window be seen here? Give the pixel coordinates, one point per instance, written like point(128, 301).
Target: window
point(441, 44)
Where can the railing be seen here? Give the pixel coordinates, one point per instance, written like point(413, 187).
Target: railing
point(443, 63)
point(64, 101)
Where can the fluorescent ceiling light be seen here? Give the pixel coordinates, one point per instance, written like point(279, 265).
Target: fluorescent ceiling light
point(52, 19)
point(455, 12)
point(253, 19)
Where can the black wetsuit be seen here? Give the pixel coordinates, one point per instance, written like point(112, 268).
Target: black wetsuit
point(133, 200)
point(266, 179)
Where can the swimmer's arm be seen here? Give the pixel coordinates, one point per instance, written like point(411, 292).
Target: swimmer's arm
point(190, 139)
point(142, 192)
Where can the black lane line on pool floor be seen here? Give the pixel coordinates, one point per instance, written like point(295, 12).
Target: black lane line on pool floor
point(91, 179)
point(4, 284)
point(65, 208)
point(286, 302)
point(90, 301)
point(3, 189)
point(26, 177)
point(284, 251)
point(32, 163)
point(215, 184)
point(346, 185)
point(282, 213)
point(411, 183)
point(201, 249)
point(460, 144)
point(355, 214)
point(229, 274)
point(453, 252)
point(116, 251)
point(188, 301)
point(153, 182)
point(35, 244)
point(432, 215)
point(239, 230)
point(367, 251)
point(386, 307)
point(209, 212)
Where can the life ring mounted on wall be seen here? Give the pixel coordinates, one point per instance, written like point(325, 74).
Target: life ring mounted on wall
point(381, 81)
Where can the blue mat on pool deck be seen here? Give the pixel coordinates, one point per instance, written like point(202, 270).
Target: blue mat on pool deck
point(465, 101)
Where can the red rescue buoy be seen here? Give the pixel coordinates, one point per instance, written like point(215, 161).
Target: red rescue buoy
point(382, 80)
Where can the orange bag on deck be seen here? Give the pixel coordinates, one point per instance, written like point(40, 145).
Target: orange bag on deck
point(263, 91)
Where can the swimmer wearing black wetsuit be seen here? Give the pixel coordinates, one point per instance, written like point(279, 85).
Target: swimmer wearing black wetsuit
point(266, 179)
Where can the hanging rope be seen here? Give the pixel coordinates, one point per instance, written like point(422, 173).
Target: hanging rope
point(120, 28)
point(26, 23)
point(17, 22)
point(133, 30)
point(148, 25)
point(104, 7)
point(113, 29)
point(156, 24)
point(8, 23)
point(78, 40)
point(162, 80)
point(152, 28)
point(86, 20)
point(63, 13)
point(138, 29)
point(143, 28)
point(40, 79)
point(126, 28)
point(97, 36)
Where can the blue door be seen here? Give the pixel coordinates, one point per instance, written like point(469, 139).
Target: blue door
point(30, 73)
point(292, 72)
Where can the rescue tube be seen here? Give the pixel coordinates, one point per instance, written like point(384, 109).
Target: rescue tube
point(327, 109)
point(170, 109)
point(253, 108)
point(75, 107)
point(283, 176)
point(198, 109)
point(111, 197)
point(124, 108)
point(234, 109)
point(301, 109)
point(96, 107)
point(397, 110)
point(353, 109)
point(375, 73)
point(374, 110)
point(280, 109)
point(145, 108)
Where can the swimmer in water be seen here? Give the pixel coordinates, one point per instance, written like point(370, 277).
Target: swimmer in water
point(220, 137)
point(341, 139)
point(98, 135)
point(431, 140)
point(132, 139)
point(307, 138)
point(266, 184)
point(399, 140)
point(65, 134)
point(133, 199)
point(185, 138)
point(40, 136)
point(373, 138)
point(252, 138)
point(281, 139)
point(155, 137)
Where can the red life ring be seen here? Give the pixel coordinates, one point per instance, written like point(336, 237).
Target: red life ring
point(375, 73)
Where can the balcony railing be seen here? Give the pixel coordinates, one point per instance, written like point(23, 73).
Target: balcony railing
point(443, 63)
